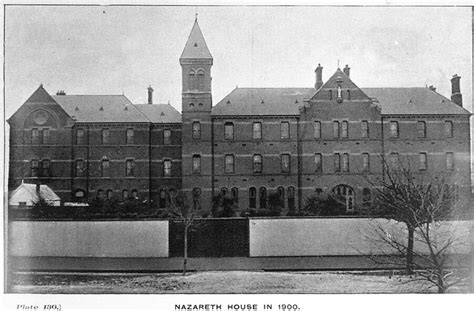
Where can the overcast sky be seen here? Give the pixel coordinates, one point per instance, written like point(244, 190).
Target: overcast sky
point(115, 50)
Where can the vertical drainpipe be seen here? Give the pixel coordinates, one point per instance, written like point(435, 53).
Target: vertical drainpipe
point(212, 159)
point(87, 164)
point(72, 162)
point(298, 148)
point(150, 128)
point(383, 147)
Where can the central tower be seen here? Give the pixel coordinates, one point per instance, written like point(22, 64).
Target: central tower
point(196, 63)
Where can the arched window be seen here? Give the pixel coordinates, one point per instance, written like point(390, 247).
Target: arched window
point(100, 194)
point(196, 130)
point(124, 194)
point(252, 197)
point(291, 198)
point(110, 194)
point(224, 191)
point(347, 195)
point(229, 131)
point(281, 195)
point(105, 168)
point(191, 80)
point(135, 193)
point(366, 197)
point(234, 194)
point(197, 198)
point(196, 164)
point(200, 80)
point(162, 198)
point(263, 197)
point(79, 194)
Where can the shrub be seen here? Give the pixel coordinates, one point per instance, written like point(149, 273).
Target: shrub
point(324, 205)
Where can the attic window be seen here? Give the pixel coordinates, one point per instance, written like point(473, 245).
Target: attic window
point(101, 108)
point(195, 44)
point(228, 102)
point(262, 102)
point(77, 108)
point(296, 102)
point(410, 101)
point(200, 104)
point(162, 113)
point(126, 108)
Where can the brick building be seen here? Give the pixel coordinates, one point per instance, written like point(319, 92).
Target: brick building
point(292, 141)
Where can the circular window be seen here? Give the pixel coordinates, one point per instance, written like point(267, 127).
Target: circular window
point(40, 117)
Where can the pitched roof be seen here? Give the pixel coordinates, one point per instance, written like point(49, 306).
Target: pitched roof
point(100, 108)
point(196, 46)
point(27, 193)
point(263, 101)
point(40, 96)
point(416, 100)
point(160, 113)
point(339, 78)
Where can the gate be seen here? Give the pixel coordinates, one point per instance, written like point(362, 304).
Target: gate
point(219, 237)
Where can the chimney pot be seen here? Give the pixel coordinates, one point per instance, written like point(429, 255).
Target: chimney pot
point(319, 77)
point(150, 95)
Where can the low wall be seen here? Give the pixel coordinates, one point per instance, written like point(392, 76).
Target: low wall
point(338, 236)
point(89, 238)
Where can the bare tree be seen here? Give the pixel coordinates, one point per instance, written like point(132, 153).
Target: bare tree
point(422, 204)
point(180, 209)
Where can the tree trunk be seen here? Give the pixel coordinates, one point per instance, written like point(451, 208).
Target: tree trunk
point(441, 287)
point(409, 259)
point(185, 260)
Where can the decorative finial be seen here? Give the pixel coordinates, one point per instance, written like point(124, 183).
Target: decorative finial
point(196, 16)
point(338, 63)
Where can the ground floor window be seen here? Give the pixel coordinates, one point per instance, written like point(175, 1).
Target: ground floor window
point(252, 197)
point(291, 198)
point(347, 195)
point(263, 197)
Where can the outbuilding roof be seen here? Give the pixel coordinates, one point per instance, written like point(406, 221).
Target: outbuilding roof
point(160, 113)
point(27, 193)
point(100, 108)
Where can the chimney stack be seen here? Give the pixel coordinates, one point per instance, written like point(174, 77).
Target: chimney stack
point(150, 95)
point(60, 92)
point(347, 70)
point(456, 95)
point(319, 77)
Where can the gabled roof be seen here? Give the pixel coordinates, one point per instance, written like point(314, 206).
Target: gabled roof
point(27, 193)
point(100, 108)
point(196, 47)
point(416, 100)
point(339, 78)
point(160, 113)
point(40, 96)
point(263, 101)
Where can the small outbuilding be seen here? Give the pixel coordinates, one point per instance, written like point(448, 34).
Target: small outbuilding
point(26, 195)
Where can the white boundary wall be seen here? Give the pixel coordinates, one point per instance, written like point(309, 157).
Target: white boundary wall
point(336, 236)
point(89, 238)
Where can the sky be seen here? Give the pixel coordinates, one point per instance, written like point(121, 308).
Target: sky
point(122, 50)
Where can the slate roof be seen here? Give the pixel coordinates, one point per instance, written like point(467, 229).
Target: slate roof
point(100, 108)
point(27, 193)
point(160, 113)
point(276, 101)
point(196, 46)
point(416, 100)
point(40, 96)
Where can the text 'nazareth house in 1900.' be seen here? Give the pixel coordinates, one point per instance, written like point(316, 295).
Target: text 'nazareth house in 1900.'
point(292, 141)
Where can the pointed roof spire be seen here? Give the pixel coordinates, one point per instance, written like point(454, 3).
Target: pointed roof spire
point(196, 47)
point(40, 96)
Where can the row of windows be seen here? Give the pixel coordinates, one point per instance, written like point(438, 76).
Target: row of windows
point(129, 168)
point(421, 129)
point(229, 163)
point(129, 136)
point(40, 136)
point(109, 194)
point(40, 168)
point(423, 161)
point(196, 79)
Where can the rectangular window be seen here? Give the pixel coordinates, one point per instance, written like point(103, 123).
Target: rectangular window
point(45, 135)
point(196, 164)
point(365, 162)
point(105, 168)
point(337, 162)
point(130, 165)
point(448, 129)
point(421, 129)
point(394, 160)
point(229, 131)
point(34, 136)
point(364, 128)
point(34, 168)
point(105, 136)
point(196, 130)
point(79, 168)
point(229, 164)
point(285, 163)
point(449, 161)
point(167, 168)
point(79, 136)
point(345, 129)
point(318, 162)
point(345, 162)
point(285, 130)
point(423, 161)
point(46, 166)
point(335, 129)
point(257, 163)
point(317, 129)
point(257, 130)
point(166, 137)
point(130, 135)
point(394, 129)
